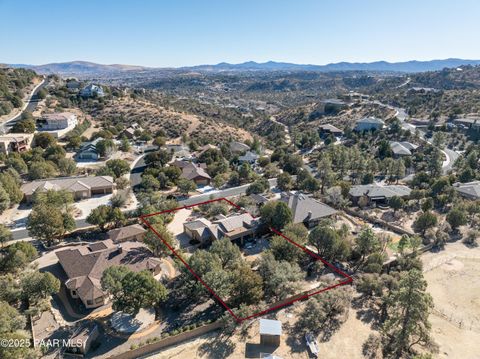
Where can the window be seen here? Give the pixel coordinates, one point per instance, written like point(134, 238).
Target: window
point(89, 302)
point(99, 300)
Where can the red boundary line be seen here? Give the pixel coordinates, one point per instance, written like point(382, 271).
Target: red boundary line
point(348, 279)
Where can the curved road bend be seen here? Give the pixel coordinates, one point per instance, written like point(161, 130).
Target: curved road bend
point(29, 106)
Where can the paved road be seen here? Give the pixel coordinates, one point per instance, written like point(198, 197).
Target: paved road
point(22, 233)
point(137, 170)
point(31, 104)
point(229, 192)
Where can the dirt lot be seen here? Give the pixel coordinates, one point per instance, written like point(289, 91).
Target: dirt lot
point(345, 343)
point(453, 277)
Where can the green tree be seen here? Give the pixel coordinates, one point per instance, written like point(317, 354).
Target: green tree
point(5, 235)
point(366, 243)
point(261, 185)
point(276, 214)
point(280, 278)
point(37, 286)
point(186, 186)
point(284, 182)
point(228, 253)
point(106, 216)
point(456, 217)
point(47, 223)
point(328, 243)
point(136, 290)
point(247, 286)
point(105, 147)
point(44, 140)
point(42, 169)
point(67, 167)
point(118, 167)
point(112, 277)
point(408, 309)
point(10, 319)
point(4, 200)
point(156, 244)
point(396, 203)
point(11, 185)
point(425, 221)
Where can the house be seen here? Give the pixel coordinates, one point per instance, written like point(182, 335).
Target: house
point(270, 332)
point(82, 339)
point(134, 232)
point(58, 121)
point(469, 190)
point(15, 142)
point(329, 129)
point(80, 187)
point(378, 194)
point(201, 230)
point(306, 209)
point(404, 148)
point(88, 151)
point(129, 133)
point(92, 91)
point(238, 147)
point(369, 124)
point(84, 266)
point(249, 157)
point(196, 173)
point(239, 227)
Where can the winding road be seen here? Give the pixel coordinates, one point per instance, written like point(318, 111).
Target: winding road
point(29, 106)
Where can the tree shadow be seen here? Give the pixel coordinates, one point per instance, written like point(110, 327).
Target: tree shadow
point(220, 347)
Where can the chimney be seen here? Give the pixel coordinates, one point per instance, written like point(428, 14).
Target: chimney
point(119, 248)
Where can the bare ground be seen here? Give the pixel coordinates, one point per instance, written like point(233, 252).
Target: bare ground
point(453, 277)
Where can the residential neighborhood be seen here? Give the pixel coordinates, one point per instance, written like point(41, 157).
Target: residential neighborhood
point(210, 189)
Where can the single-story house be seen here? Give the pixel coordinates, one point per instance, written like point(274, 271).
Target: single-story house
point(238, 147)
point(369, 124)
point(196, 174)
point(58, 121)
point(330, 129)
point(378, 194)
point(15, 142)
point(201, 230)
point(84, 266)
point(80, 187)
point(404, 148)
point(134, 232)
point(249, 157)
point(306, 209)
point(469, 190)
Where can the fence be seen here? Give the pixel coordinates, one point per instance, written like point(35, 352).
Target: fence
point(155, 347)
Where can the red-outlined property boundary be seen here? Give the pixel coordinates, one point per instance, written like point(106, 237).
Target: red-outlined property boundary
point(297, 298)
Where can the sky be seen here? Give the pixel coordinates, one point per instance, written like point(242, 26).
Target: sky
point(161, 33)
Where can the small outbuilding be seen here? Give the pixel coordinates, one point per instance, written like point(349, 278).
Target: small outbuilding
point(270, 332)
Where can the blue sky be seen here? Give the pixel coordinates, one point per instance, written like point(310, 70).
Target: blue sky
point(191, 32)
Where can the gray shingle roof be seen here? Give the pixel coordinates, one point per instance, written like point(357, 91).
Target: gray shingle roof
point(377, 191)
point(305, 208)
point(470, 189)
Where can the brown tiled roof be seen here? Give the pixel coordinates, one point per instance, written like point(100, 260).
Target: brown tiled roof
point(193, 171)
point(84, 265)
point(69, 183)
point(125, 232)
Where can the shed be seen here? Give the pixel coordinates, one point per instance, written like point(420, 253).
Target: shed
point(270, 332)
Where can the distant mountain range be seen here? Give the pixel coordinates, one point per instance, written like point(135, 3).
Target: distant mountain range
point(85, 68)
